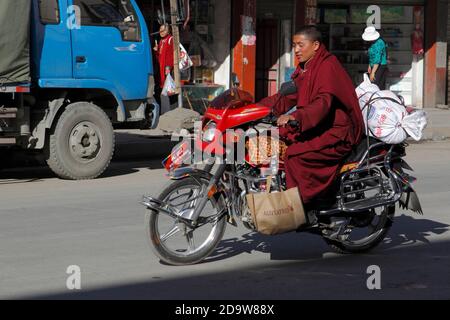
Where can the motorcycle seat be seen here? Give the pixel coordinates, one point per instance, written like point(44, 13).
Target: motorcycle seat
point(357, 153)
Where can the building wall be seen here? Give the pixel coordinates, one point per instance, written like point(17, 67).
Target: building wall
point(221, 46)
point(281, 9)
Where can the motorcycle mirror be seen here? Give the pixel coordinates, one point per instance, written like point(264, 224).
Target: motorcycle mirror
point(288, 88)
point(235, 80)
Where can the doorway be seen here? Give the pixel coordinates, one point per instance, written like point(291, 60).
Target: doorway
point(267, 57)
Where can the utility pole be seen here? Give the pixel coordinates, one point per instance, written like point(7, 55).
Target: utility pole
point(176, 46)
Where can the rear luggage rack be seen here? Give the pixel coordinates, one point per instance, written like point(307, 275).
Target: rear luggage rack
point(363, 189)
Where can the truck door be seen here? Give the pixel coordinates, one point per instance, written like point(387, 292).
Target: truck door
point(111, 45)
point(50, 41)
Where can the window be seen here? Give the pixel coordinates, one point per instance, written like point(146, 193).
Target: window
point(111, 13)
point(336, 16)
point(49, 11)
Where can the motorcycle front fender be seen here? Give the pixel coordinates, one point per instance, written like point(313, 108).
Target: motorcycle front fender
point(186, 172)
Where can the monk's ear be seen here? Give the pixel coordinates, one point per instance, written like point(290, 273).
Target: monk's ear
point(316, 45)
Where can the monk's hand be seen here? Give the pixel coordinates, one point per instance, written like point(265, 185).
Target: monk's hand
point(284, 119)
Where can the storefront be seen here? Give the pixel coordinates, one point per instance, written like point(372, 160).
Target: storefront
point(402, 28)
point(342, 23)
point(252, 40)
point(206, 38)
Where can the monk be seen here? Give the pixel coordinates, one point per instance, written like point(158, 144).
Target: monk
point(329, 115)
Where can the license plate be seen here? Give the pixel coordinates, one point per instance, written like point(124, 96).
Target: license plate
point(181, 155)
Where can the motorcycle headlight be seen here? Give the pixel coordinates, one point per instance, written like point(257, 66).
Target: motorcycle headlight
point(209, 132)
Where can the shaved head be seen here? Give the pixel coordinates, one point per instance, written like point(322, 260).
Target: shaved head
point(311, 33)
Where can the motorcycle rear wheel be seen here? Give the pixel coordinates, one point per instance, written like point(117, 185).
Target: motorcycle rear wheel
point(163, 232)
point(376, 236)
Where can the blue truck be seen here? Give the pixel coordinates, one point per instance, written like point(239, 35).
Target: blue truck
point(69, 71)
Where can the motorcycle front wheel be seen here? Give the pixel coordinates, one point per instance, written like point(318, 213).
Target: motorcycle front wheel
point(173, 241)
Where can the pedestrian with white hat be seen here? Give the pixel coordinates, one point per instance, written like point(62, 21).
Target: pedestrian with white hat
point(378, 68)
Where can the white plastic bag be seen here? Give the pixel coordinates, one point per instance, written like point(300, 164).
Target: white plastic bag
point(386, 116)
point(366, 88)
point(185, 60)
point(170, 87)
point(414, 124)
point(364, 92)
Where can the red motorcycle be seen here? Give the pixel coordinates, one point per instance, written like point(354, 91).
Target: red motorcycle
point(201, 199)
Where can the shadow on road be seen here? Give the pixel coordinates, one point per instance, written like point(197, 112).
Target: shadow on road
point(408, 272)
point(25, 175)
point(20, 167)
point(406, 231)
point(38, 174)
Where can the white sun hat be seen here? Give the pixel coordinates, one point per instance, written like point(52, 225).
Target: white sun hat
point(370, 34)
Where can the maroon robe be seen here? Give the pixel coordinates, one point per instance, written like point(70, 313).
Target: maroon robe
point(330, 120)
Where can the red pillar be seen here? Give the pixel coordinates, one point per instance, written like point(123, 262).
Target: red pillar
point(244, 43)
point(435, 55)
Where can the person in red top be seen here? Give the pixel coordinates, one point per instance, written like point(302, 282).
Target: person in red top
point(327, 108)
point(164, 53)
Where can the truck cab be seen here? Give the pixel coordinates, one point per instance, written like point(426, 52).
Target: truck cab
point(90, 66)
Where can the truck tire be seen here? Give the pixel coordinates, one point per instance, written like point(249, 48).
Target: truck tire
point(82, 144)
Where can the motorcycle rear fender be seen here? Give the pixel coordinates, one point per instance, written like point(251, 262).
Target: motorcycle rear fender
point(409, 199)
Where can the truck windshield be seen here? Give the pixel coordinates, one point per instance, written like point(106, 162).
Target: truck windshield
point(115, 13)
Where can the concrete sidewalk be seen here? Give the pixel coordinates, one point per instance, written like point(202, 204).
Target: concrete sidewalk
point(438, 125)
point(137, 145)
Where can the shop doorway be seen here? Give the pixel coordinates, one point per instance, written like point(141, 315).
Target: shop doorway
point(267, 57)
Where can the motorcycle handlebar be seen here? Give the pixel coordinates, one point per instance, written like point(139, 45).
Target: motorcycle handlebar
point(294, 123)
point(273, 121)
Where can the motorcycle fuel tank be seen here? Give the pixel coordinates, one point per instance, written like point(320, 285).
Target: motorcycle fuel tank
point(232, 118)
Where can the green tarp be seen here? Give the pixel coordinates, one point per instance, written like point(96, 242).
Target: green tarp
point(14, 41)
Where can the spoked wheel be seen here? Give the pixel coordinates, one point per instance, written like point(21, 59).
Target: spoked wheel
point(173, 241)
point(360, 233)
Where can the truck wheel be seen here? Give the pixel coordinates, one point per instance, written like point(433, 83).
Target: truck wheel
point(82, 143)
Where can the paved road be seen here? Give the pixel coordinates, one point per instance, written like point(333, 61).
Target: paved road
point(48, 224)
